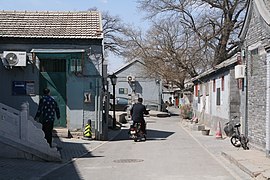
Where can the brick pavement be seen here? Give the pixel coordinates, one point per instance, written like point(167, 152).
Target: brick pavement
point(71, 149)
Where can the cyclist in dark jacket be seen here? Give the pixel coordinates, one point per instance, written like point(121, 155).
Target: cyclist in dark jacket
point(47, 109)
point(137, 112)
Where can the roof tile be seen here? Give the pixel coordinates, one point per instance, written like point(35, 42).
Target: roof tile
point(41, 24)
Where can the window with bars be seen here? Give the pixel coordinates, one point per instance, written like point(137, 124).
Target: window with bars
point(52, 65)
point(76, 65)
point(123, 90)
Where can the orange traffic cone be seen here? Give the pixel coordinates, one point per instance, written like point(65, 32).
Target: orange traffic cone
point(218, 132)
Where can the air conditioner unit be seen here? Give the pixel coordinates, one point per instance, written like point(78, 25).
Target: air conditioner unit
point(239, 71)
point(14, 58)
point(131, 78)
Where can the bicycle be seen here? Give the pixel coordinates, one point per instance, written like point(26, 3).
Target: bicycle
point(237, 139)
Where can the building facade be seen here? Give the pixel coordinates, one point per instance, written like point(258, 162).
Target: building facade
point(217, 95)
point(133, 82)
point(59, 50)
point(255, 35)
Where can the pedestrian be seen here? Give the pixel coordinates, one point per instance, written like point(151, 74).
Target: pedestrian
point(137, 114)
point(47, 109)
point(165, 106)
point(170, 101)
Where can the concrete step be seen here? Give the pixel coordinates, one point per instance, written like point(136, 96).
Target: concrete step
point(61, 132)
point(12, 148)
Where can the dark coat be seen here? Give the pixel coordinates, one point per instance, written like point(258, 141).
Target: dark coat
point(137, 111)
point(47, 109)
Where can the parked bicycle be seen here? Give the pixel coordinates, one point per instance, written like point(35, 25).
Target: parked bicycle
point(237, 139)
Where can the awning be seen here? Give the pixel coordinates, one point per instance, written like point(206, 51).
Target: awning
point(57, 51)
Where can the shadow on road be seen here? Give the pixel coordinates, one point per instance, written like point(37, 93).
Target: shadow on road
point(151, 135)
point(69, 151)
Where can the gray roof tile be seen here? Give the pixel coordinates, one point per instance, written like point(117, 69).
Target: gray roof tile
point(26, 24)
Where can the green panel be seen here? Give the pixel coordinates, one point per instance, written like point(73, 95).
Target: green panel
point(53, 76)
point(56, 82)
point(54, 68)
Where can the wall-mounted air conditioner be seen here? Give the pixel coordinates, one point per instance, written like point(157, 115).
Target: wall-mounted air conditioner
point(239, 71)
point(131, 78)
point(14, 58)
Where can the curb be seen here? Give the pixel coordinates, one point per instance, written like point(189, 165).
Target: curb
point(243, 168)
point(255, 163)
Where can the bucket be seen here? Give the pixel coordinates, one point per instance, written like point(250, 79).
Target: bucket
point(205, 132)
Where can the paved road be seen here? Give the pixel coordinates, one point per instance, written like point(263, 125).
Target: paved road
point(169, 153)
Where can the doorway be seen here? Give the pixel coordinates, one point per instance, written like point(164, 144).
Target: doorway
point(53, 76)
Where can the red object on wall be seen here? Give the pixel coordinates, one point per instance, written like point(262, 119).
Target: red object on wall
point(196, 90)
point(222, 83)
point(214, 85)
point(176, 101)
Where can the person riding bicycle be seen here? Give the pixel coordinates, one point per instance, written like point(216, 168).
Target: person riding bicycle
point(137, 112)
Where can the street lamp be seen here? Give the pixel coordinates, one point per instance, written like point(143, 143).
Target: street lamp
point(113, 78)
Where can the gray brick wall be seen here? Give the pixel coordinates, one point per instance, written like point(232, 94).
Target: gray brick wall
point(254, 30)
point(256, 68)
point(267, 2)
point(257, 105)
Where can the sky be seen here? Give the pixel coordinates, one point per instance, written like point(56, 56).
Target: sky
point(125, 9)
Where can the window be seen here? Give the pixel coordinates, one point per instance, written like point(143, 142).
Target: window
point(218, 96)
point(123, 90)
point(76, 65)
point(52, 65)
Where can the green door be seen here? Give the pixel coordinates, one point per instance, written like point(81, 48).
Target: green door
point(53, 76)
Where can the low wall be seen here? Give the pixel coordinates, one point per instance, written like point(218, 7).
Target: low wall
point(22, 137)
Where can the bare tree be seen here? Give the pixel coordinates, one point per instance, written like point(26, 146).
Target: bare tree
point(216, 23)
point(113, 28)
point(186, 36)
point(166, 50)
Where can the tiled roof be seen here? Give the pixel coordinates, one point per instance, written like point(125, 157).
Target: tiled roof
point(224, 64)
point(26, 24)
point(125, 66)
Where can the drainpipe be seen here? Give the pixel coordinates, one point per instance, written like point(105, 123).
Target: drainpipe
point(267, 104)
point(96, 110)
point(246, 95)
point(159, 84)
point(99, 112)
